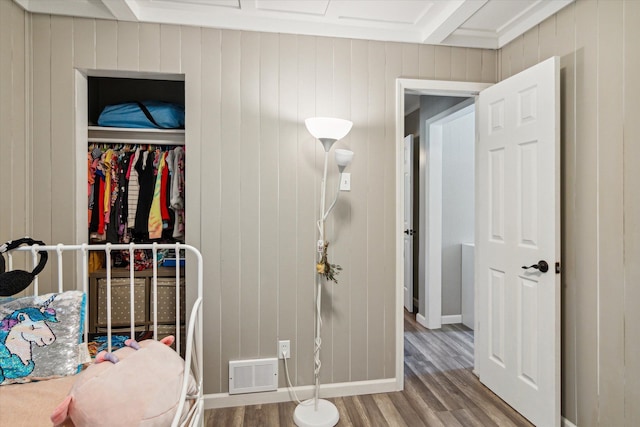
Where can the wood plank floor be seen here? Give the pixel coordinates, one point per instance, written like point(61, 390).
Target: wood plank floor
point(440, 390)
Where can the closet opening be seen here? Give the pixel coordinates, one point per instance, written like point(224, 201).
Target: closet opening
point(131, 188)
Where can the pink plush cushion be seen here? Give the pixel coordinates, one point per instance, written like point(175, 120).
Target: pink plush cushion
point(143, 389)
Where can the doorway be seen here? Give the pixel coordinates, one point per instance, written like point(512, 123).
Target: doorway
point(459, 91)
point(517, 222)
point(448, 211)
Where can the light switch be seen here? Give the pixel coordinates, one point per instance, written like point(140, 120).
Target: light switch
point(345, 182)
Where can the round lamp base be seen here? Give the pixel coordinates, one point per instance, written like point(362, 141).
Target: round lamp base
point(306, 415)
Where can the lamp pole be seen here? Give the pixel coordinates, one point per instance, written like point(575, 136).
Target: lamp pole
point(318, 338)
point(320, 412)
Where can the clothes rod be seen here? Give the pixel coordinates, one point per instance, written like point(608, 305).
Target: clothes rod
point(133, 141)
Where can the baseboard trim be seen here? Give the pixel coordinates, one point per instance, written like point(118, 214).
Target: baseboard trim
point(225, 400)
point(567, 423)
point(453, 318)
point(421, 320)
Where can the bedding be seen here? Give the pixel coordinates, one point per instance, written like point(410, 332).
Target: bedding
point(31, 404)
point(40, 337)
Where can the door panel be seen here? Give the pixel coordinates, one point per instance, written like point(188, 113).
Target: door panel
point(408, 222)
point(518, 224)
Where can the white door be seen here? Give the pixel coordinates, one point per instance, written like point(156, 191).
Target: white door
point(408, 222)
point(518, 225)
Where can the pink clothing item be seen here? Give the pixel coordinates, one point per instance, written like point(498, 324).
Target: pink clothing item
point(163, 193)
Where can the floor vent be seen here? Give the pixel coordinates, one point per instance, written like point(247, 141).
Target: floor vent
point(254, 375)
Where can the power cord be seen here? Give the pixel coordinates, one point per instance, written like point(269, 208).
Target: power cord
point(286, 371)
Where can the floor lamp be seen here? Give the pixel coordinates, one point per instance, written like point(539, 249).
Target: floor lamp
point(318, 412)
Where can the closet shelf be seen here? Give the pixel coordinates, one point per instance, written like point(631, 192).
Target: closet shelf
point(109, 135)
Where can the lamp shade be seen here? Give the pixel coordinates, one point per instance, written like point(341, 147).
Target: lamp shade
point(328, 128)
point(343, 157)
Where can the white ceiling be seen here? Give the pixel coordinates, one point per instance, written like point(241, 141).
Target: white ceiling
point(470, 23)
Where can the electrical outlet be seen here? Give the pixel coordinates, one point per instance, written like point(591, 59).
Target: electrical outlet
point(284, 347)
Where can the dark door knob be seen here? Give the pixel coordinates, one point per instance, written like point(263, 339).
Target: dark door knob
point(542, 266)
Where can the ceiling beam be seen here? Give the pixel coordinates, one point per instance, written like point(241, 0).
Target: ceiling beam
point(452, 15)
point(122, 10)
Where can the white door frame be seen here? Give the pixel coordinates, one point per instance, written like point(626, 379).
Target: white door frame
point(426, 87)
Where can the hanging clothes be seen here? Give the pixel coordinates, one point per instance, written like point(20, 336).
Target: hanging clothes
point(130, 194)
point(177, 192)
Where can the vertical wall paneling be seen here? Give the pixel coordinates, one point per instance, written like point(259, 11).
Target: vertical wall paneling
point(191, 59)
point(7, 31)
point(343, 232)
point(610, 213)
point(268, 213)
point(505, 61)
point(489, 66)
point(42, 194)
point(211, 199)
point(443, 63)
point(249, 142)
point(62, 119)
point(63, 216)
point(474, 65)
point(149, 47)
point(256, 174)
point(20, 170)
point(170, 48)
point(324, 107)
point(375, 209)
point(596, 41)
point(128, 46)
point(14, 160)
point(546, 42)
point(530, 48)
point(426, 61)
point(631, 112)
point(360, 247)
point(393, 70)
point(410, 61)
point(6, 143)
point(458, 63)
point(517, 55)
point(287, 216)
point(564, 42)
point(106, 45)
point(231, 276)
point(587, 207)
point(84, 43)
point(307, 194)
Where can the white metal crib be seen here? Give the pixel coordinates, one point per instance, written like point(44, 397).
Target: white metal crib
point(193, 351)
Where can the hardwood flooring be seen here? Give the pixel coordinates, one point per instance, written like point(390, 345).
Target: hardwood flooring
point(440, 390)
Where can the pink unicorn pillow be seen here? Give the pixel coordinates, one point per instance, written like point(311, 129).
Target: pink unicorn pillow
point(39, 336)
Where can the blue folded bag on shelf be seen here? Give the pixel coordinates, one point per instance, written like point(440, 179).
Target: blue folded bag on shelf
point(146, 114)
